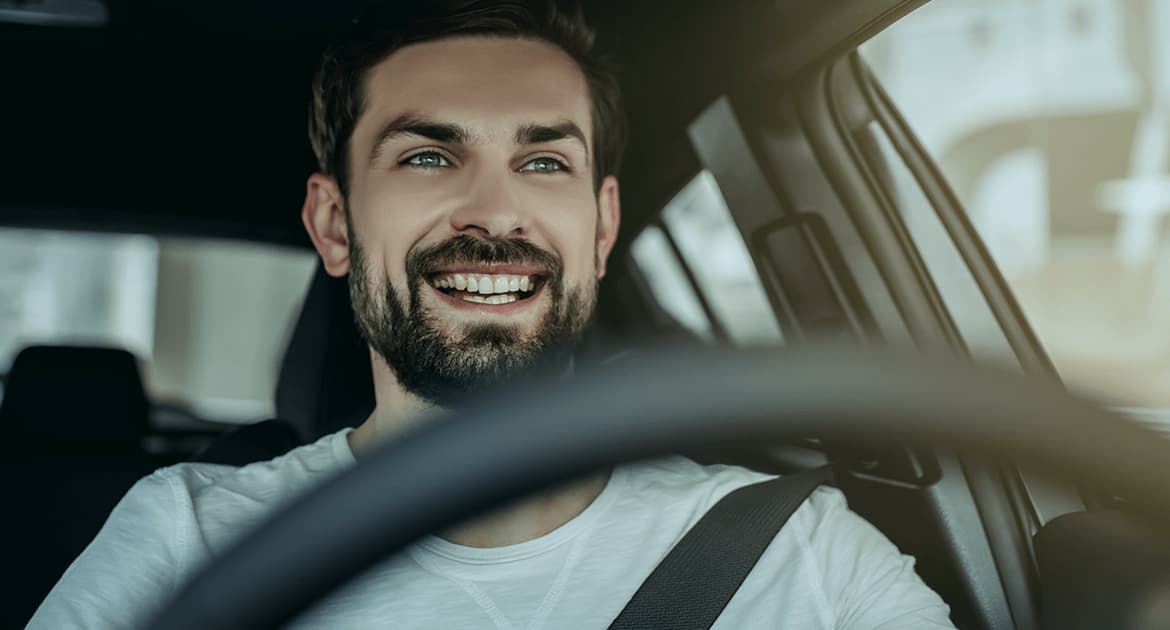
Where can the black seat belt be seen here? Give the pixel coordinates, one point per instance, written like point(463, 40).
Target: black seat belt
point(692, 585)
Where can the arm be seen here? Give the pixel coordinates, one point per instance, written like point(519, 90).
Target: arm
point(131, 566)
point(867, 582)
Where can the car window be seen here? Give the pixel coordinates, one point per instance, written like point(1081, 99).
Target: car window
point(654, 257)
point(208, 319)
point(1051, 120)
point(964, 301)
point(698, 225)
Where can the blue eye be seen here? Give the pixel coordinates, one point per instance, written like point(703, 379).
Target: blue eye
point(545, 165)
point(427, 159)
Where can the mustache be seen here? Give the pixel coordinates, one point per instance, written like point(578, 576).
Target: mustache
point(465, 249)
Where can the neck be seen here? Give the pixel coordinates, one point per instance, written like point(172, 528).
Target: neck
point(397, 409)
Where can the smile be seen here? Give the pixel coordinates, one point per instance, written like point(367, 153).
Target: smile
point(493, 289)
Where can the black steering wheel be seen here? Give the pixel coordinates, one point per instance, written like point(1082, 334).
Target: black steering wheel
point(447, 471)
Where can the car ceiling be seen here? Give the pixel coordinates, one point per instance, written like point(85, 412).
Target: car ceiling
point(190, 117)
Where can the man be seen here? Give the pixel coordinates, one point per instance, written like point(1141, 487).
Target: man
point(466, 187)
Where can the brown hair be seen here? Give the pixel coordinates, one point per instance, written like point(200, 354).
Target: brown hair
point(339, 83)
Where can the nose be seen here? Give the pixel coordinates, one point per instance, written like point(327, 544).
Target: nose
point(491, 209)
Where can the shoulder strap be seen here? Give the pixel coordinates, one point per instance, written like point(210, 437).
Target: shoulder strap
point(693, 583)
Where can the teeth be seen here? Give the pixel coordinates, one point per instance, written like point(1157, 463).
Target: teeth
point(486, 285)
point(491, 299)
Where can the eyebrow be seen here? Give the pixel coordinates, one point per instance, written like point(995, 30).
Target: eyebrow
point(415, 125)
point(536, 134)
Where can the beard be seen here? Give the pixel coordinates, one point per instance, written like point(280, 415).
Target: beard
point(447, 367)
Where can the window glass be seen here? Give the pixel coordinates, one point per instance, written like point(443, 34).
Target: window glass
point(952, 277)
point(713, 249)
point(72, 288)
point(1051, 120)
point(207, 319)
point(667, 280)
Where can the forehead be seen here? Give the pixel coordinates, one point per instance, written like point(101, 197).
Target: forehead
point(489, 84)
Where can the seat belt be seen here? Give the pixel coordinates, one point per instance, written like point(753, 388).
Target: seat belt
point(692, 585)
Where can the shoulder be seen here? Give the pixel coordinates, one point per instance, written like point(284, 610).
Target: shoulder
point(133, 562)
point(264, 480)
point(862, 576)
point(151, 504)
point(679, 485)
point(827, 507)
point(676, 475)
point(224, 500)
point(676, 472)
point(167, 524)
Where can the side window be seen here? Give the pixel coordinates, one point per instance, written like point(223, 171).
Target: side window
point(952, 277)
point(722, 286)
point(1051, 120)
point(667, 280)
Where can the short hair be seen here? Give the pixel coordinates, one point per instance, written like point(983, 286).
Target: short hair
point(339, 82)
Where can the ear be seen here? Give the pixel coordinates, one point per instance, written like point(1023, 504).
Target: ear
point(324, 217)
point(609, 218)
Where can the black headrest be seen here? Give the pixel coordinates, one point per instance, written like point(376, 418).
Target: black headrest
point(74, 394)
point(325, 380)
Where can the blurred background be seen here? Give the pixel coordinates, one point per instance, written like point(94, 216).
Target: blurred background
point(208, 319)
point(1051, 120)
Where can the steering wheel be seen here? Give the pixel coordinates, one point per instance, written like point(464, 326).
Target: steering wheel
point(533, 436)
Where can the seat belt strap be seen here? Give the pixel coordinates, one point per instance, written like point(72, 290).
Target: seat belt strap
point(692, 585)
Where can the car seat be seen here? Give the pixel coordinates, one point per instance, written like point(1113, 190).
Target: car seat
point(325, 382)
point(73, 421)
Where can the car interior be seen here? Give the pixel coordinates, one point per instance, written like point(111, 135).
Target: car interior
point(189, 119)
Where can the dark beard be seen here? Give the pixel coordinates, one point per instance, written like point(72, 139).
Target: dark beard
point(445, 371)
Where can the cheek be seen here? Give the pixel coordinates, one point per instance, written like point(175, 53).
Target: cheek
point(574, 238)
point(392, 227)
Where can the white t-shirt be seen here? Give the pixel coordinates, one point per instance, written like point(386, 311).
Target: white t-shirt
point(827, 568)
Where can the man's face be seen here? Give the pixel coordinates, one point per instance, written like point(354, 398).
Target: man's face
point(475, 240)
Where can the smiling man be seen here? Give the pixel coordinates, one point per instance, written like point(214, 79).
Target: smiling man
point(470, 201)
point(467, 153)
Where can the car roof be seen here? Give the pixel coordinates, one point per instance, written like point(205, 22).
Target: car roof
point(190, 118)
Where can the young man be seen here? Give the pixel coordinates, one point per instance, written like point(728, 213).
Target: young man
point(467, 189)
